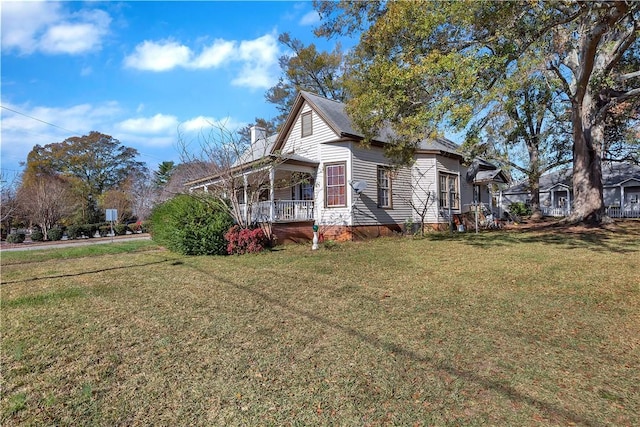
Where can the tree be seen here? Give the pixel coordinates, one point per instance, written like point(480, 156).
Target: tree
point(95, 162)
point(219, 162)
point(46, 200)
point(527, 132)
point(306, 69)
point(163, 174)
point(9, 207)
point(424, 65)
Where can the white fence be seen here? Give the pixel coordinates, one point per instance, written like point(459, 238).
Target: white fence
point(611, 211)
point(617, 212)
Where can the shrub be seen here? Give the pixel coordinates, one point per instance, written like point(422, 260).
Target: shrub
point(55, 233)
point(104, 230)
point(135, 227)
point(120, 229)
point(519, 209)
point(191, 225)
point(245, 240)
point(16, 238)
point(37, 235)
point(73, 231)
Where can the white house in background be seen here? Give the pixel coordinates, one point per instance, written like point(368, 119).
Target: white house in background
point(621, 191)
point(351, 190)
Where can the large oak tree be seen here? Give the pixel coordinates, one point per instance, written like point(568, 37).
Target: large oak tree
point(91, 165)
point(422, 65)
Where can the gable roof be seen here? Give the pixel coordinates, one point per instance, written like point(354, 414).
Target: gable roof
point(336, 117)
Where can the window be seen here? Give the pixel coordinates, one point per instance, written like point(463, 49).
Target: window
point(335, 185)
point(306, 124)
point(384, 187)
point(240, 195)
point(449, 183)
point(303, 191)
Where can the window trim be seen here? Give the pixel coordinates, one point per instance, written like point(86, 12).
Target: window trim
point(303, 116)
point(444, 204)
point(343, 185)
point(389, 188)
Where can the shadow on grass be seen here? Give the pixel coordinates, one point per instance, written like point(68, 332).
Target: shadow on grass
point(597, 240)
point(556, 412)
point(83, 273)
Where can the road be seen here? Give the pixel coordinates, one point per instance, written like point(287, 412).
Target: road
point(30, 246)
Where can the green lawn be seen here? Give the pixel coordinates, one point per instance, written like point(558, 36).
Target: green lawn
point(502, 328)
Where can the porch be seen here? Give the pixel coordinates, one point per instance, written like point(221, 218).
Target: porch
point(279, 211)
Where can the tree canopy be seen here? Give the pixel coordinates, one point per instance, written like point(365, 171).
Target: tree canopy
point(424, 66)
point(306, 68)
point(96, 162)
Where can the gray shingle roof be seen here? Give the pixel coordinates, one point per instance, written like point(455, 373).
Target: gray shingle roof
point(612, 174)
point(334, 112)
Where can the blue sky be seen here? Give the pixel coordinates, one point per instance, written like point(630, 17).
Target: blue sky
point(139, 71)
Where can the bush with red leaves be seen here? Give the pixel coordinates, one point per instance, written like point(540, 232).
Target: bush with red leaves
point(245, 240)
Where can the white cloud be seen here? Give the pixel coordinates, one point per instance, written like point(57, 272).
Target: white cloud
point(161, 56)
point(311, 18)
point(260, 62)
point(28, 27)
point(150, 125)
point(215, 55)
point(45, 125)
point(255, 62)
point(205, 125)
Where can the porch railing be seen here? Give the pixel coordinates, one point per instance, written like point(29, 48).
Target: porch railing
point(281, 211)
point(548, 211)
point(617, 212)
point(611, 211)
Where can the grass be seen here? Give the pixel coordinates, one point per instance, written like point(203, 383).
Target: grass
point(503, 328)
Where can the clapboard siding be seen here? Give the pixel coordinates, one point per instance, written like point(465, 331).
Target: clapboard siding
point(424, 175)
point(308, 146)
point(333, 153)
point(365, 162)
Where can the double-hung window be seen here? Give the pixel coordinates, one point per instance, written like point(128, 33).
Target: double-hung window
point(384, 187)
point(335, 185)
point(449, 192)
point(306, 124)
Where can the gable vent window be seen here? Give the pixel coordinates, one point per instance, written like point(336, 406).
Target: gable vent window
point(307, 124)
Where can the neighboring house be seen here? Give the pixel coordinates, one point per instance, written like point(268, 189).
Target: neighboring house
point(350, 190)
point(621, 191)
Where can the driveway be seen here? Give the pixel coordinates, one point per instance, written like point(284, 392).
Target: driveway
point(29, 246)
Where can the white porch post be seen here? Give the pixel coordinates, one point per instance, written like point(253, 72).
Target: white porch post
point(272, 193)
point(553, 201)
point(490, 199)
point(621, 200)
point(246, 200)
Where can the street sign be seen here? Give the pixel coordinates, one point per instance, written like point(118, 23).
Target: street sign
point(112, 215)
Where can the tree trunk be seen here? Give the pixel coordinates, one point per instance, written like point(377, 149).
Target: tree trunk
point(534, 187)
point(588, 201)
point(534, 178)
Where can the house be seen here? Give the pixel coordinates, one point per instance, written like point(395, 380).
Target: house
point(349, 190)
point(621, 191)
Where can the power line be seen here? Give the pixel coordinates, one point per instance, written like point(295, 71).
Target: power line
point(39, 120)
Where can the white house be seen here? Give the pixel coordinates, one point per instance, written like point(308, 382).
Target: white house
point(351, 190)
point(621, 191)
